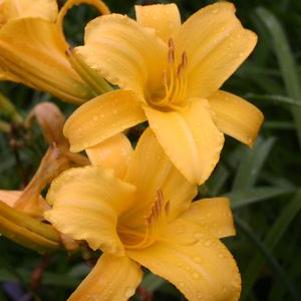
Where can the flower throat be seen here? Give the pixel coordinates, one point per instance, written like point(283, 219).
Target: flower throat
point(173, 92)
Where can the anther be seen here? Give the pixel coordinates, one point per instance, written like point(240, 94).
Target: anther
point(171, 51)
point(167, 207)
point(182, 64)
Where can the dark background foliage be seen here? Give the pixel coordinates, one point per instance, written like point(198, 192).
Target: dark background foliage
point(263, 182)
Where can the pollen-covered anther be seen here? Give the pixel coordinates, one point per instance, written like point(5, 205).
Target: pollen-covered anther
point(157, 209)
point(174, 78)
point(171, 51)
point(183, 64)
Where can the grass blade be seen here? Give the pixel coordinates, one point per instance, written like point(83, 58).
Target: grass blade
point(252, 163)
point(286, 61)
point(241, 198)
point(272, 238)
point(270, 259)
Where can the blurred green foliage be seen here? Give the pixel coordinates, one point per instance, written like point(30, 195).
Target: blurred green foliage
point(263, 182)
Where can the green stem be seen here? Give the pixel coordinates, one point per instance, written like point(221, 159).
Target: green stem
point(9, 109)
point(4, 127)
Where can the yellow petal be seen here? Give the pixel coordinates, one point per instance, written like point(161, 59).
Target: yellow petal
point(27, 222)
point(123, 52)
point(112, 279)
point(32, 50)
point(189, 138)
point(5, 74)
point(10, 197)
point(26, 230)
point(235, 116)
point(46, 9)
point(113, 153)
point(151, 171)
point(164, 18)
point(86, 204)
point(98, 4)
point(201, 271)
point(215, 44)
point(26, 237)
point(213, 215)
point(101, 118)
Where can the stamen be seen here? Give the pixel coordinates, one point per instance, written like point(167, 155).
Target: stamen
point(182, 64)
point(171, 51)
point(154, 222)
point(174, 79)
point(181, 82)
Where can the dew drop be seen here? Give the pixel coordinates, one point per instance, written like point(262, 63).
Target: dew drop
point(92, 297)
point(179, 265)
point(181, 284)
point(198, 235)
point(129, 291)
point(207, 243)
point(195, 275)
point(197, 259)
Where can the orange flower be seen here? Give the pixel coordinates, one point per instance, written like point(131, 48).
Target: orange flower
point(169, 74)
point(145, 217)
point(33, 50)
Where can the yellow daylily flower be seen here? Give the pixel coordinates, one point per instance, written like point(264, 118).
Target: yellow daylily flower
point(169, 74)
point(33, 50)
point(144, 216)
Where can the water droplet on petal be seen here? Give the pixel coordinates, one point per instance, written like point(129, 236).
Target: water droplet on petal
point(181, 284)
point(197, 259)
point(207, 243)
point(198, 235)
point(129, 291)
point(195, 275)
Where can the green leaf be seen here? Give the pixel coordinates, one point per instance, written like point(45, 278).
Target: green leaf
point(274, 235)
point(286, 60)
point(279, 125)
point(251, 163)
point(276, 99)
point(241, 198)
point(152, 282)
point(270, 260)
point(217, 181)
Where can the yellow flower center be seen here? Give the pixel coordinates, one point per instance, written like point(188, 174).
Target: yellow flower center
point(154, 223)
point(172, 92)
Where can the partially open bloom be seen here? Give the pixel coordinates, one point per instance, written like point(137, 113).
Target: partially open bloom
point(169, 74)
point(56, 159)
point(21, 212)
point(143, 214)
point(33, 49)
